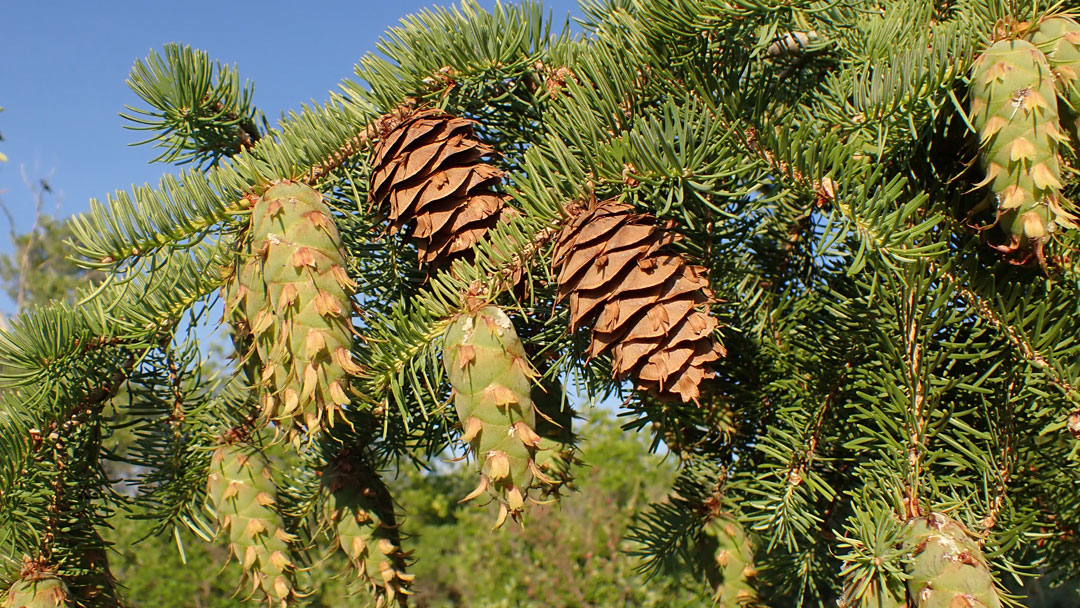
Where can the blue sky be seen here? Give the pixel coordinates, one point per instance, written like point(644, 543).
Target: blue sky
point(63, 66)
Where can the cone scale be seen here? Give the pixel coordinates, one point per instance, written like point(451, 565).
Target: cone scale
point(492, 381)
point(556, 455)
point(1058, 37)
point(294, 293)
point(243, 495)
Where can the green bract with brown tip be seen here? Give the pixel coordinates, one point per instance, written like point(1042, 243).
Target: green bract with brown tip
point(493, 381)
point(728, 555)
point(1014, 108)
point(295, 295)
point(360, 515)
point(42, 590)
point(243, 495)
point(947, 568)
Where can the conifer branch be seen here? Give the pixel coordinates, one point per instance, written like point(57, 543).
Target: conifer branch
point(912, 350)
point(1015, 336)
point(182, 211)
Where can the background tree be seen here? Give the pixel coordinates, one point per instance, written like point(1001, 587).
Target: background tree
point(821, 251)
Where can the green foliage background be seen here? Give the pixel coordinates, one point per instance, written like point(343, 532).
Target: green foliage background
point(883, 361)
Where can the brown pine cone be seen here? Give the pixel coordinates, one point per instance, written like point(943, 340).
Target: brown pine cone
point(428, 166)
point(652, 306)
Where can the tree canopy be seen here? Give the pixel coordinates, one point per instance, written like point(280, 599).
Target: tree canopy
point(820, 252)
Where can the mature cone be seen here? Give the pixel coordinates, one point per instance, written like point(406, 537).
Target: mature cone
point(653, 306)
point(39, 590)
point(428, 166)
point(728, 554)
point(360, 513)
point(948, 569)
point(492, 381)
point(294, 293)
point(1014, 107)
point(242, 494)
point(1058, 37)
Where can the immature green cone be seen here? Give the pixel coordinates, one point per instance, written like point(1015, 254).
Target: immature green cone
point(556, 455)
point(728, 554)
point(40, 590)
point(360, 514)
point(1014, 108)
point(1058, 37)
point(876, 595)
point(492, 381)
point(243, 495)
point(294, 292)
point(948, 568)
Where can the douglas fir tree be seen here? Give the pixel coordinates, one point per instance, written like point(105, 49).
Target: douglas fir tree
point(823, 251)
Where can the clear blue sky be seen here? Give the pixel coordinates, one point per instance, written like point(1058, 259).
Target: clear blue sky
point(63, 66)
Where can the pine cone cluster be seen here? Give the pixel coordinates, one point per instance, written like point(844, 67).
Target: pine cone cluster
point(1014, 107)
point(427, 166)
point(652, 306)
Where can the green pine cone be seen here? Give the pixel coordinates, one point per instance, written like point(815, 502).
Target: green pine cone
point(295, 295)
point(948, 568)
point(556, 455)
point(879, 596)
point(728, 555)
point(360, 514)
point(42, 590)
point(492, 381)
point(1059, 38)
point(1014, 108)
point(242, 494)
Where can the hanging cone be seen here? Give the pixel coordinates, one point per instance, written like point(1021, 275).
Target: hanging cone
point(94, 585)
point(360, 515)
point(556, 455)
point(243, 495)
point(948, 568)
point(652, 307)
point(727, 554)
point(871, 589)
point(427, 166)
point(1058, 37)
point(38, 590)
point(1014, 108)
point(492, 381)
point(293, 294)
